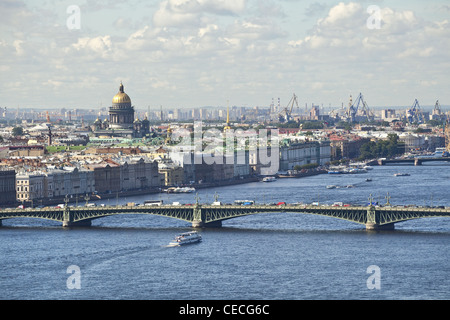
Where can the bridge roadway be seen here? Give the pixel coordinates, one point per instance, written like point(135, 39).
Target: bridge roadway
point(416, 161)
point(203, 215)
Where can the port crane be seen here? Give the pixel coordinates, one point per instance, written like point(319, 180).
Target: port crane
point(286, 114)
point(437, 112)
point(437, 108)
point(415, 114)
point(353, 109)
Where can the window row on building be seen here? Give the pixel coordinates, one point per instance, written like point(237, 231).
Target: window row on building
point(95, 178)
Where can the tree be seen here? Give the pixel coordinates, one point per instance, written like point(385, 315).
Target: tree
point(311, 125)
point(17, 131)
point(381, 149)
point(306, 166)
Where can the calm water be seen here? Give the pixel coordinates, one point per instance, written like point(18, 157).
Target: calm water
point(268, 256)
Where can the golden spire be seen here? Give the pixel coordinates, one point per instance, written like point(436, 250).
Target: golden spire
point(227, 127)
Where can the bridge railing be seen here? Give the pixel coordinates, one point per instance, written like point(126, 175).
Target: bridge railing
point(207, 213)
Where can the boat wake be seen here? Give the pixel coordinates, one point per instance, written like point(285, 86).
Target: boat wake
point(171, 245)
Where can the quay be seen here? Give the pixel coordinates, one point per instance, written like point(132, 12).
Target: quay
point(129, 193)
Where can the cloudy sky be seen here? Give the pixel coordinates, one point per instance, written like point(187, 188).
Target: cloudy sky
point(193, 53)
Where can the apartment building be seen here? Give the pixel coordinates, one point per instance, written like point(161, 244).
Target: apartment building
point(30, 186)
point(7, 186)
point(298, 154)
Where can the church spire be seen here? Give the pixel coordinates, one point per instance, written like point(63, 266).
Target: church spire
point(227, 126)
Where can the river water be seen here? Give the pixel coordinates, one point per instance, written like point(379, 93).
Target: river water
point(268, 256)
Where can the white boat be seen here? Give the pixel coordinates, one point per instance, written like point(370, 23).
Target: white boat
point(269, 179)
point(440, 152)
point(186, 238)
point(181, 190)
point(331, 187)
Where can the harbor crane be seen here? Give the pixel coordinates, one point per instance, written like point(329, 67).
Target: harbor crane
point(353, 109)
point(437, 108)
point(414, 115)
point(286, 114)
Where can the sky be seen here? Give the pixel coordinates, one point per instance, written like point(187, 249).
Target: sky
point(195, 53)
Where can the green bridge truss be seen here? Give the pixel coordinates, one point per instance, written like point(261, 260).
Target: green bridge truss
point(201, 215)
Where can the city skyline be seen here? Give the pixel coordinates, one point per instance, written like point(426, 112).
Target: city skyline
point(187, 54)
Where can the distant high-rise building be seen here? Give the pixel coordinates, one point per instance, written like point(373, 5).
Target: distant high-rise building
point(314, 113)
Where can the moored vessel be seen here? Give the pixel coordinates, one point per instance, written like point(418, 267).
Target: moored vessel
point(181, 190)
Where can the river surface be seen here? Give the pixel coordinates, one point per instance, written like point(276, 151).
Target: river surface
point(275, 256)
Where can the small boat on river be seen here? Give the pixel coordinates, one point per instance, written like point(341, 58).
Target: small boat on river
point(186, 238)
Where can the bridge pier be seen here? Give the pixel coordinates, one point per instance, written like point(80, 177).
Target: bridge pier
point(373, 219)
point(71, 224)
point(377, 227)
point(201, 224)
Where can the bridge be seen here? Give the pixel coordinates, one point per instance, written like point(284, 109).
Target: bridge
point(416, 161)
point(205, 215)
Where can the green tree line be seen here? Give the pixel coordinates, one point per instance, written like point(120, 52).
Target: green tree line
point(382, 149)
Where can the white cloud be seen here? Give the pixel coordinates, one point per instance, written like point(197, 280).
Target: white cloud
point(101, 45)
point(210, 28)
point(17, 44)
point(210, 51)
point(177, 13)
point(170, 15)
point(342, 15)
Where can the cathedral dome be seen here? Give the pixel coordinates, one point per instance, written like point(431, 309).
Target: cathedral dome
point(121, 96)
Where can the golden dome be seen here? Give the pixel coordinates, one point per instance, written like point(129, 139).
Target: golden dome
point(121, 97)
